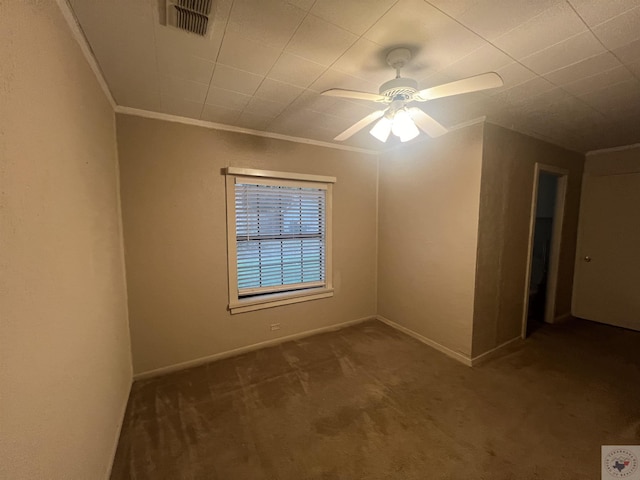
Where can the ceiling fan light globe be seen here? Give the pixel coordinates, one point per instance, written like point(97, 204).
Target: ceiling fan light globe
point(381, 129)
point(403, 126)
point(409, 136)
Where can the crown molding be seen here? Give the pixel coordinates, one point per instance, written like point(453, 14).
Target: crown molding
point(230, 128)
point(78, 35)
point(613, 149)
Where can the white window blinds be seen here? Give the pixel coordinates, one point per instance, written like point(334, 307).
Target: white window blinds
point(280, 235)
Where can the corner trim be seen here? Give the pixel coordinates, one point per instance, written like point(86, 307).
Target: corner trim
point(237, 351)
point(562, 318)
point(612, 149)
point(464, 359)
point(483, 357)
point(79, 36)
point(118, 432)
point(229, 128)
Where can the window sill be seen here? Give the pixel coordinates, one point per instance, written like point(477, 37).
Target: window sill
point(279, 299)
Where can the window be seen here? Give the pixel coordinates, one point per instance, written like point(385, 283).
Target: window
point(279, 236)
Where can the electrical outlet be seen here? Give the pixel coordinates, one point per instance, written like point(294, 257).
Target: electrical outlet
point(275, 326)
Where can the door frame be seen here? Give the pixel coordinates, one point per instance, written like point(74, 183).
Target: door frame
point(556, 240)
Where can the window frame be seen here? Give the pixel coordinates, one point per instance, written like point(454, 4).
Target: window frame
point(239, 304)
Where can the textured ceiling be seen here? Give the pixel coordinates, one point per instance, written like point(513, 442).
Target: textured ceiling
point(571, 68)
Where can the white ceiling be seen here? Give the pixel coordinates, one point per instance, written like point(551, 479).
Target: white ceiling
point(571, 68)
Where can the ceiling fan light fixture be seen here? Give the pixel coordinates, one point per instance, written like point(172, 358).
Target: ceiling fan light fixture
point(403, 126)
point(381, 129)
point(400, 92)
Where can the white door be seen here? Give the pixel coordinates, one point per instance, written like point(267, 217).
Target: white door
point(607, 276)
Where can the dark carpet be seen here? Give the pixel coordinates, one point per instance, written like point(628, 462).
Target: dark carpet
point(368, 402)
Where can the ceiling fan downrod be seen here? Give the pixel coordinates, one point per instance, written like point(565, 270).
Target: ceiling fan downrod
point(399, 87)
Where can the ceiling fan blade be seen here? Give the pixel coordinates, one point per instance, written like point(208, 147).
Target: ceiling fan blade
point(338, 92)
point(466, 85)
point(427, 124)
point(372, 117)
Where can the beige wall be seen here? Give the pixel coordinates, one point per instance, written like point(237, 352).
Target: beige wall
point(613, 162)
point(65, 368)
point(174, 214)
point(428, 226)
point(505, 207)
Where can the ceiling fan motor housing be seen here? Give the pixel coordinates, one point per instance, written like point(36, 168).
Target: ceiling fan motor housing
point(399, 86)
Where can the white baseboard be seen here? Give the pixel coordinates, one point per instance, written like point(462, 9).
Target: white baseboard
point(464, 359)
point(245, 349)
point(494, 351)
point(118, 432)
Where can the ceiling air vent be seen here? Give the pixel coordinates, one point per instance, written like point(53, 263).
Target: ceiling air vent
point(189, 15)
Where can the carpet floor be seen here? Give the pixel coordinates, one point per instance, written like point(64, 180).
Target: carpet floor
point(368, 402)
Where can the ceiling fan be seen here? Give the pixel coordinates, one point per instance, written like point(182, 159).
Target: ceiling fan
point(398, 117)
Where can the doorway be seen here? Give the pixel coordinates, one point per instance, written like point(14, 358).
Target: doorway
point(545, 233)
